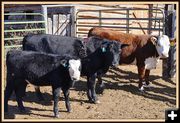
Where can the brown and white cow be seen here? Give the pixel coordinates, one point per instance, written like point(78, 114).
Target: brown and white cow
point(146, 49)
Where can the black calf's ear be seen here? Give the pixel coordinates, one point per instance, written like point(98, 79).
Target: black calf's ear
point(124, 45)
point(154, 40)
point(64, 62)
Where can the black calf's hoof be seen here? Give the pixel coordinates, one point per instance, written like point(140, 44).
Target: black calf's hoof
point(23, 111)
point(97, 102)
point(69, 111)
point(102, 85)
point(94, 101)
point(56, 116)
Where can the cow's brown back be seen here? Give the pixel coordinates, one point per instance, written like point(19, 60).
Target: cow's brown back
point(135, 41)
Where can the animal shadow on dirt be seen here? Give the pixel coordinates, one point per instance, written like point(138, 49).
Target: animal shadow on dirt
point(161, 94)
point(31, 97)
point(13, 110)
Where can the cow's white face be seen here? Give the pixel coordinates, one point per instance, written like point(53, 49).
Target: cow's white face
point(74, 69)
point(162, 46)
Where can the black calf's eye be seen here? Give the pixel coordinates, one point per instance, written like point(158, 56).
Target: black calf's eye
point(79, 68)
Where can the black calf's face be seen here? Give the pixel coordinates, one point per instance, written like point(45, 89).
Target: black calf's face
point(114, 49)
point(73, 68)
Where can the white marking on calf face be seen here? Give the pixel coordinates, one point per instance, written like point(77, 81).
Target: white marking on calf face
point(151, 63)
point(163, 45)
point(74, 69)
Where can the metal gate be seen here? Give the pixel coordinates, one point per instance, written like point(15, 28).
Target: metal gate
point(127, 20)
point(19, 25)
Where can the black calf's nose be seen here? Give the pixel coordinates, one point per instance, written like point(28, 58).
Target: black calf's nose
point(74, 79)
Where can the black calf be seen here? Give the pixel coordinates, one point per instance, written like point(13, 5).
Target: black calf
point(41, 70)
point(100, 60)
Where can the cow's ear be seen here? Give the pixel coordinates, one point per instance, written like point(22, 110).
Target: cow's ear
point(64, 62)
point(124, 45)
point(154, 40)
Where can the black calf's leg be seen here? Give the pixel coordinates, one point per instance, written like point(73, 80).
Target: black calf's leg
point(101, 85)
point(99, 77)
point(19, 93)
point(89, 93)
point(100, 81)
point(89, 86)
point(91, 83)
point(8, 92)
point(66, 95)
point(56, 94)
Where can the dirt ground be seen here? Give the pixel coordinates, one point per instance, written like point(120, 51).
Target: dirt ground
point(120, 99)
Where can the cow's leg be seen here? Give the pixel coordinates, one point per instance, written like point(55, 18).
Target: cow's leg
point(10, 80)
point(147, 72)
point(38, 93)
point(19, 92)
point(100, 81)
point(66, 95)
point(8, 93)
point(56, 94)
point(101, 85)
point(141, 74)
point(147, 84)
point(89, 89)
point(91, 83)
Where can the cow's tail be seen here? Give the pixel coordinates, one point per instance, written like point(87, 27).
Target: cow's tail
point(8, 63)
point(7, 55)
point(24, 42)
point(90, 33)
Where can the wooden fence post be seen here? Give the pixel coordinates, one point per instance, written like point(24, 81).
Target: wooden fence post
point(50, 26)
point(44, 12)
point(72, 22)
point(55, 24)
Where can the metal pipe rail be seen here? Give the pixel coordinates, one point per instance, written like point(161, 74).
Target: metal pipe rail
point(23, 22)
point(159, 28)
